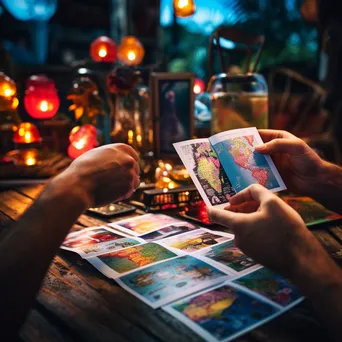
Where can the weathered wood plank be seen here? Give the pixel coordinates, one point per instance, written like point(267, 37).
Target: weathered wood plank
point(84, 309)
point(131, 309)
point(32, 191)
point(336, 232)
point(38, 329)
point(14, 204)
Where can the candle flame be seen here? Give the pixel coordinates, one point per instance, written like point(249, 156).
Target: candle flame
point(44, 106)
point(131, 55)
point(102, 53)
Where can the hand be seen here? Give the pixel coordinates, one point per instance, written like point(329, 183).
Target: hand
point(108, 173)
point(266, 228)
point(297, 163)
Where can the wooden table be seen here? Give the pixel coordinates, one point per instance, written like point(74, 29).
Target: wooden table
point(78, 303)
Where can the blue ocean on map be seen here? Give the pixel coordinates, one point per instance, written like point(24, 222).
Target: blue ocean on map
point(171, 278)
point(243, 165)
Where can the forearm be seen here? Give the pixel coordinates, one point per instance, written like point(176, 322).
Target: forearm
point(28, 249)
point(328, 189)
point(320, 280)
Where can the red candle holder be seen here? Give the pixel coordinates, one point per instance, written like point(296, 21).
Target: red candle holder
point(41, 99)
point(199, 86)
point(26, 133)
point(131, 51)
point(103, 49)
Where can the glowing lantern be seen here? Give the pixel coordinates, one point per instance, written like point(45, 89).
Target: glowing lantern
point(8, 92)
point(184, 8)
point(199, 86)
point(41, 98)
point(27, 133)
point(131, 51)
point(103, 49)
point(82, 139)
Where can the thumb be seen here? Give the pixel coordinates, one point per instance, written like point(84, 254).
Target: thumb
point(294, 147)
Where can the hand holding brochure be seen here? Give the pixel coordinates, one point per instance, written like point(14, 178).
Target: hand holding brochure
point(227, 163)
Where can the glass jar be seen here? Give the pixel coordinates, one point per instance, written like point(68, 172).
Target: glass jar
point(238, 101)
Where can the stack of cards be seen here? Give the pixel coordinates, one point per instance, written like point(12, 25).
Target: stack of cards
point(161, 260)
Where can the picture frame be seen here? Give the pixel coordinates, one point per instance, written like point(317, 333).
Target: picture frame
point(172, 108)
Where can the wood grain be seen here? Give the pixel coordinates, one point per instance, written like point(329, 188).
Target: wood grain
point(77, 303)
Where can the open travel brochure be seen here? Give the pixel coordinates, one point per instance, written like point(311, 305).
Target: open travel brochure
point(195, 274)
point(227, 163)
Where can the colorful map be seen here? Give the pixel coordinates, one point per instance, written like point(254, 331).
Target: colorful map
point(224, 311)
point(311, 211)
point(166, 280)
point(229, 255)
point(209, 172)
point(271, 285)
point(131, 258)
point(243, 164)
point(195, 240)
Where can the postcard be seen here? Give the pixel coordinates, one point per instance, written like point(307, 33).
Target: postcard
point(169, 230)
point(222, 313)
point(144, 224)
point(205, 171)
point(89, 242)
point(170, 280)
point(120, 262)
point(311, 212)
point(195, 240)
point(243, 165)
point(228, 258)
point(272, 286)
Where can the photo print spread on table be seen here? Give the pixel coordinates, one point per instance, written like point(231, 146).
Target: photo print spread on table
point(144, 224)
point(170, 280)
point(229, 258)
point(195, 240)
point(89, 242)
point(169, 230)
point(125, 260)
point(311, 211)
point(272, 286)
point(223, 312)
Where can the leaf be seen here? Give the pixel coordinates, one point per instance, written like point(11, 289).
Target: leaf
point(79, 112)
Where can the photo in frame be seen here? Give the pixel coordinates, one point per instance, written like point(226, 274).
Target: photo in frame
point(172, 108)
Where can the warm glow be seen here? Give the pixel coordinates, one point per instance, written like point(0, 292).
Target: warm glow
point(131, 51)
point(131, 55)
point(139, 138)
point(197, 89)
point(182, 3)
point(111, 207)
point(30, 161)
point(130, 134)
point(8, 92)
point(41, 99)
point(103, 49)
point(80, 144)
point(184, 8)
point(102, 53)
point(28, 137)
point(199, 86)
point(15, 103)
point(44, 106)
point(27, 133)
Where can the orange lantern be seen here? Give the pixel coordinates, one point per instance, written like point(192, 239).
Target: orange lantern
point(8, 92)
point(27, 133)
point(184, 8)
point(199, 86)
point(82, 139)
point(41, 98)
point(103, 49)
point(131, 51)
